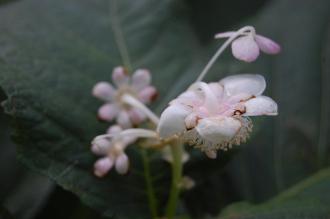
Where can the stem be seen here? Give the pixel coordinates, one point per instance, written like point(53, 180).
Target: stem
point(128, 99)
point(119, 36)
point(222, 48)
point(150, 189)
point(177, 151)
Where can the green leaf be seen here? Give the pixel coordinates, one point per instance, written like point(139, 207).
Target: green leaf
point(308, 199)
point(49, 61)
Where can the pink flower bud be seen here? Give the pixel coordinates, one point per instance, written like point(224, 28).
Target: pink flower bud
point(122, 164)
point(245, 49)
point(140, 79)
point(148, 94)
point(120, 76)
point(104, 91)
point(102, 166)
point(108, 112)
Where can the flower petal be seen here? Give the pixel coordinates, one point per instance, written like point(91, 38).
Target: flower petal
point(217, 89)
point(245, 49)
point(120, 76)
point(104, 91)
point(218, 129)
point(103, 166)
point(114, 129)
point(224, 34)
point(140, 79)
point(189, 98)
point(261, 105)
point(148, 94)
point(245, 83)
point(123, 120)
point(211, 154)
point(101, 146)
point(172, 121)
point(267, 45)
point(136, 116)
point(122, 164)
point(108, 112)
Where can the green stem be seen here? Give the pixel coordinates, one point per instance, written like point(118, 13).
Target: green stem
point(150, 190)
point(177, 151)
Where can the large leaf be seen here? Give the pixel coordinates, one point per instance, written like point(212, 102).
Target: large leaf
point(308, 199)
point(53, 52)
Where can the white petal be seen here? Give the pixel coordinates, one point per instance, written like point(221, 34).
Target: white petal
point(218, 129)
point(140, 79)
point(245, 49)
point(245, 83)
point(103, 166)
point(189, 98)
point(101, 146)
point(122, 164)
point(267, 45)
point(172, 121)
point(108, 111)
point(123, 119)
point(115, 129)
point(104, 91)
point(261, 105)
point(120, 76)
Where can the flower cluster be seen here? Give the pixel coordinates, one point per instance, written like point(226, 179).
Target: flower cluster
point(138, 86)
point(209, 116)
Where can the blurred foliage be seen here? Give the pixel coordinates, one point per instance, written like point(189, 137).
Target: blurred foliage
point(50, 59)
point(308, 199)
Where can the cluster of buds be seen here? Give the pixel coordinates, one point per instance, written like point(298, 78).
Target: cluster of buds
point(209, 116)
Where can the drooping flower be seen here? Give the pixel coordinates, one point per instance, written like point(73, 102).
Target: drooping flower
point(247, 44)
point(136, 87)
point(215, 116)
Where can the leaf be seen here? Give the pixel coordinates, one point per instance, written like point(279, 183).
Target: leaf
point(49, 61)
point(308, 199)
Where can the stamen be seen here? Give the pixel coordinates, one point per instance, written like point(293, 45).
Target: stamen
point(223, 47)
point(128, 99)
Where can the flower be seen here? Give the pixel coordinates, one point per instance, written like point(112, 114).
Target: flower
point(112, 147)
point(247, 44)
point(113, 150)
point(137, 87)
point(214, 116)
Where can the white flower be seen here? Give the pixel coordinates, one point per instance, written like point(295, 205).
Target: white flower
point(215, 115)
point(138, 87)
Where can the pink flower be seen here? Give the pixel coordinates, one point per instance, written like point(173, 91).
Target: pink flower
point(137, 87)
point(247, 45)
point(214, 116)
point(113, 152)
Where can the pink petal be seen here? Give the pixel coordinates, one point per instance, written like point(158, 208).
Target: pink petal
point(189, 98)
point(245, 49)
point(123, 120)
point(122, 164)
point(104, 91)
point(103, 166)
point(120, 76)
point(108, 112)
point(148, 94)
point(224, 34)
point(101, 146)
point(136, 116)
point(267, 45)
point(140, 79)
point(115, 129)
